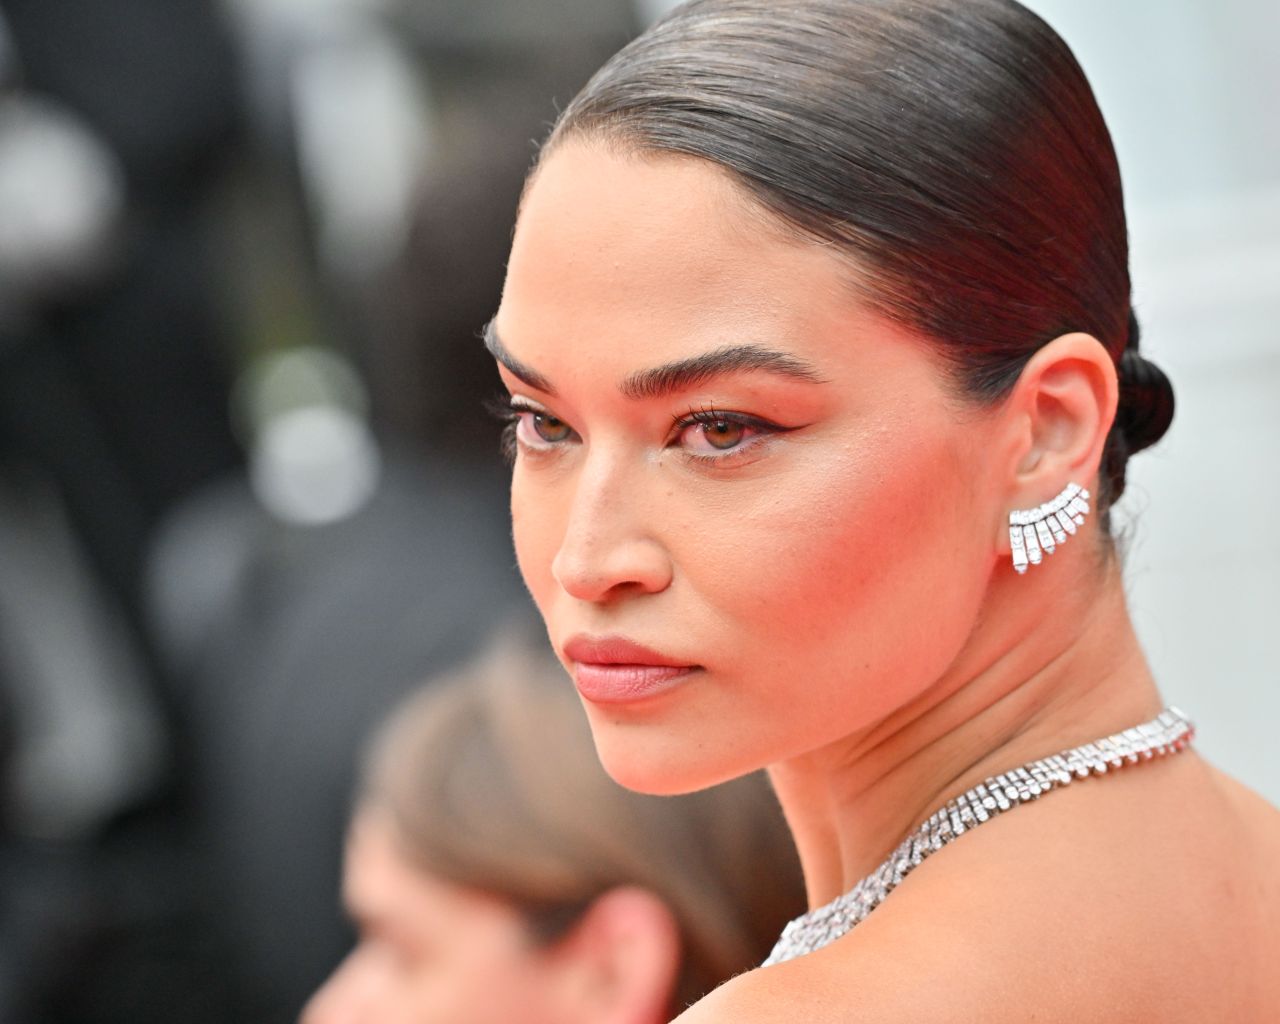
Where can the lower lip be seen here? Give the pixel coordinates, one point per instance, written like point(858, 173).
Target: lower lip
point(623, 684)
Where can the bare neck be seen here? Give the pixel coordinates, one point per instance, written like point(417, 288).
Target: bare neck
point(1040, 672)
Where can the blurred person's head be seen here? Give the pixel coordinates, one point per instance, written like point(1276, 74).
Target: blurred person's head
point(496, 874)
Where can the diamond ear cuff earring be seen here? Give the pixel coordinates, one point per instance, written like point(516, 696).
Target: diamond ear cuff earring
point(1035, 531)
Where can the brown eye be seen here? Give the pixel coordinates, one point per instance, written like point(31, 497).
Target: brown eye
point(550, 429)
point(708, 434)
point(723, 434)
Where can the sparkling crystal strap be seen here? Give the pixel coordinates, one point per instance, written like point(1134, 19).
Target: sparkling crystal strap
point(1168, 733)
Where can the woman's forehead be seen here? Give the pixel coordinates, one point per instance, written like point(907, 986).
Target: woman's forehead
point(640, 224)
point(662, 255)
point(640, 192)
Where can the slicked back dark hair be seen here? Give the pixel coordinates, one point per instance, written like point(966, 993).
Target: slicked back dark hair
point(953, 149)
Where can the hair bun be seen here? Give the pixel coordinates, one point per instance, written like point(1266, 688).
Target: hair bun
point(1146, 399)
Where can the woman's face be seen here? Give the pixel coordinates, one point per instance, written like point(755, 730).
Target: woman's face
point(430, 952)
point(727, 460)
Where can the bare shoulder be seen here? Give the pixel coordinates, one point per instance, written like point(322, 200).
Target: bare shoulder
point(1261, 816)
point(1147, 898)
point(883, 975)
point(835, 986)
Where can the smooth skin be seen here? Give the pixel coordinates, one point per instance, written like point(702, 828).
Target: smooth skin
point(822, 536)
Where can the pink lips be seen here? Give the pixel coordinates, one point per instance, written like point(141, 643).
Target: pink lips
point(613, 670)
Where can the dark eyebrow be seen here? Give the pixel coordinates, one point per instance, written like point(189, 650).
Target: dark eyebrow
point(686, 373)
point(526, 373)
point(671, 377)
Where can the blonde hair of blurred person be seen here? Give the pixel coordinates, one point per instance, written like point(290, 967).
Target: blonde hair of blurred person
point(497, 875)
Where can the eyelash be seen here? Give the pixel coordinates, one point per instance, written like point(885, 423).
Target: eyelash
point(709, 416)
point(507, 411)
point(511, 411)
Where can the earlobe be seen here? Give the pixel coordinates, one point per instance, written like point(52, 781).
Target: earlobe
point(626, 951)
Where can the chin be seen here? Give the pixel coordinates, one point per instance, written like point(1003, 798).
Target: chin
point(658, 765)
point(643, 779)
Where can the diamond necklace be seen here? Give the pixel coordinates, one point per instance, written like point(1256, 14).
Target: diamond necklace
point(1168, 733)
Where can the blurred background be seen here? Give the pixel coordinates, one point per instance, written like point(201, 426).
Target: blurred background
point(248, 493)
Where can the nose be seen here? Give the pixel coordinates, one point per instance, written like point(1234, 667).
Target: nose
point(609, 549)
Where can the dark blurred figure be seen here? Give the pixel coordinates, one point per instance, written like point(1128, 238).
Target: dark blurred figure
point(316, 632)
point(114, 121)
point(326, 626)
point(211, 640)
point(413, 123)
point(116, 383)
point(499, 71)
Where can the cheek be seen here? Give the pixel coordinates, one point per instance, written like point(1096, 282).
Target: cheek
point(846, 560)
point(489, 989)
point(536, 529)
point(485, 971)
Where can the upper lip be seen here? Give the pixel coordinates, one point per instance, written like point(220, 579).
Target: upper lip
point(616, 650)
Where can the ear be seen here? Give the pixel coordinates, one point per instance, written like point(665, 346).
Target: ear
point(1058, 417)
point(624, 953)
